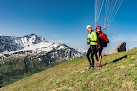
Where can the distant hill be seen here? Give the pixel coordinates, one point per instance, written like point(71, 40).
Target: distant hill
point(119, 72)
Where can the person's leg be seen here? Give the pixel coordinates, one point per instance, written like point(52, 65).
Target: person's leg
point(88, 53)
point(92, 54)
point(100, 56)
point(96, 56)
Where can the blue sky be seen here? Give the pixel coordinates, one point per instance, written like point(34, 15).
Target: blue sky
point(65, 21)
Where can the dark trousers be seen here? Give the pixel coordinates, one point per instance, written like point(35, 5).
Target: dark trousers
point(91, 50)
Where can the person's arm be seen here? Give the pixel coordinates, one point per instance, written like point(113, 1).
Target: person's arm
point(88, 42)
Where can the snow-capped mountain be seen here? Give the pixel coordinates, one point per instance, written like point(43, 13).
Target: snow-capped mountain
point(34, 44)
point(28, 42)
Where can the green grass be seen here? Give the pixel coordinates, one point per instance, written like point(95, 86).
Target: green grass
point(15, 68)
point(119, 72)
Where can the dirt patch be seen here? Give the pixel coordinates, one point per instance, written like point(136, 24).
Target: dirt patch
point(127, 84)
point(124, 84)
point(132, 64)
point(70, 88)
point(103, 70)
point(122, 66)
point(90, 84)
point(104, 79)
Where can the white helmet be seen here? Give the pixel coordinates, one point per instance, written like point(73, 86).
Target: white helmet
point(88, 26)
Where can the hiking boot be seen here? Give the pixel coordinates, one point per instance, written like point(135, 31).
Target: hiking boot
point(92, 68)
point(89, 66)
point(98, 65)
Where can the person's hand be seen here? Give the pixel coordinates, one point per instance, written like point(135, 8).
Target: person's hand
point(107, 41)
point(88, 43)
point(88, 38)
point(98, 46)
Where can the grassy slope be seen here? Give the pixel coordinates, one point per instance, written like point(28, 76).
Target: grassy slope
point(118, 73)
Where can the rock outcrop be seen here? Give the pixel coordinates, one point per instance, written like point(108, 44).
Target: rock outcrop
point(121, 47)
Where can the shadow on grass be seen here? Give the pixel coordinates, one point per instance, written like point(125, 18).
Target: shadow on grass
point(116, 60)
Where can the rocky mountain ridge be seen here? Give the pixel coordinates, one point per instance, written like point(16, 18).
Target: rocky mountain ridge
point(34, 44)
